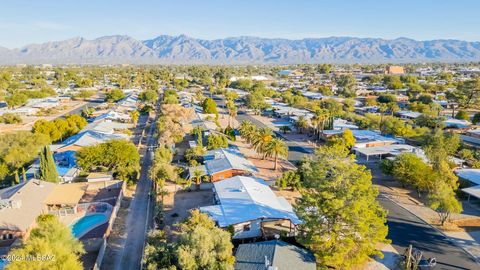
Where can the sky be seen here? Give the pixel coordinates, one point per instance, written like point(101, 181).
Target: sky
point(24, 22)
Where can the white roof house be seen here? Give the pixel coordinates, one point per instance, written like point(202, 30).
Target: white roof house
point(106, 126)
point(86, 138)
point(390, 150)
point(365, 138)
point(341, 124)
point(408, 114)
point(243, 199)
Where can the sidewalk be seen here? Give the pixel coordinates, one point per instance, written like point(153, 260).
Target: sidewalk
point(390, 260)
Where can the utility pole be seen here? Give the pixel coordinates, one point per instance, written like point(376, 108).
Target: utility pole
point(408, 258)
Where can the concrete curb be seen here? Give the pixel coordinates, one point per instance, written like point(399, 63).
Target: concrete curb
point(436, 229)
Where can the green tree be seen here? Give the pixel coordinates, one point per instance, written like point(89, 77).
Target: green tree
point(342, 221)
point(118, 156)
point(162, 169)
point(11, 118)
point(48, 128)
point(159, 254)
point(393, 82)
point(149, 96)
point(114, 95)
point(17, 99)
point(202, 245)
point(289, 179)
point(50, 237)
point(346, 140)
point(442, 200)
point(412, 170)
point(209, 106)
point(256, 101)
point(462, 115)
point(134, 116)
point(347, 83)
point(216, 141)
point(20, 148)
point(301, 124)
point(48, 169)
point(476, 118)
point(84, 94)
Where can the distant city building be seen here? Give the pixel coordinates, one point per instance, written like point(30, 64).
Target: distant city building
point(394, 70)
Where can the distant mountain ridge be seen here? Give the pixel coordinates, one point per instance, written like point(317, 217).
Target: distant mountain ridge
point(182, 49)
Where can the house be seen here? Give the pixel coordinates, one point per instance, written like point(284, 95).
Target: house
point(341, 124)
point(114, 116)
point(85, 138)
point(471, 137)
point(274, 254)
point(408, 115)
point(249, 207)
point(456, 123)
point(43, 103)
point(19, 207)
point(224, 163)
point(471, 176)
point(386, 151)
point(470, 179)
point(363, 138)
point(64, 199)
point(106, 126)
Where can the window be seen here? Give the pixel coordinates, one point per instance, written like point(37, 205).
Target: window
point(247, 227)
point(10, 236)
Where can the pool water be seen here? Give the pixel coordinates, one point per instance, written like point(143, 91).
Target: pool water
point(87, 223)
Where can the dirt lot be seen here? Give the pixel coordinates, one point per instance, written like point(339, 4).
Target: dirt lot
point(264, 166)
point(178, 204)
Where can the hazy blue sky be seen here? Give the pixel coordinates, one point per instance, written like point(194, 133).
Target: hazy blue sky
point(23, 22)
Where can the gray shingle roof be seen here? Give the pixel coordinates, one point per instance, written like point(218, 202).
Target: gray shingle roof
point(281, 255)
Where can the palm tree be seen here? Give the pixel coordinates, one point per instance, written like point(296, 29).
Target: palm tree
point(382, 108)
point(276, 148)
point(318, 121)
point(197, 174)
point(247, 130)
point(232, 111)
point(301, 123)
point(261, 139)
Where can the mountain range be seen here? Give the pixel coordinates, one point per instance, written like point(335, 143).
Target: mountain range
point(240, 50)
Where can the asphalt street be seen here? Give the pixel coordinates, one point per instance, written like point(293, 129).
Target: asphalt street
point(406, 229)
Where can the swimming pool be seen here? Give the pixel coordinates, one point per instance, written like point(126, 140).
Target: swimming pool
point(87, 223)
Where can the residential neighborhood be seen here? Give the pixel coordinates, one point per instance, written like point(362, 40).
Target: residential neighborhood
point(244, 154)
point(269, 136)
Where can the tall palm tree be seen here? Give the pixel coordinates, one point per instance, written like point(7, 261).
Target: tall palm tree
point(232, 111)
point(247, 130)
point(276, 148)
point(382, 108)
point(318, 121)
point(261, 139)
